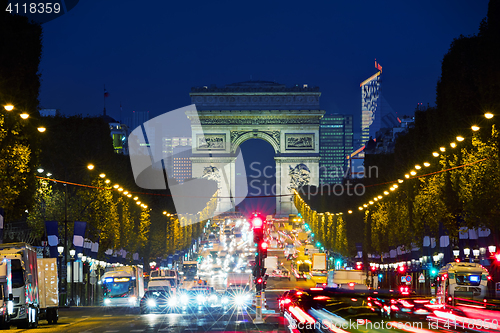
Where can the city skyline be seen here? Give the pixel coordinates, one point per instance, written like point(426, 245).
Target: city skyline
point(324, 50)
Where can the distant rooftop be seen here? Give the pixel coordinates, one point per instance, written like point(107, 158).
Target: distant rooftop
point(254, 86)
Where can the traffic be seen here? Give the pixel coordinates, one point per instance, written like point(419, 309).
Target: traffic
point(259, 273)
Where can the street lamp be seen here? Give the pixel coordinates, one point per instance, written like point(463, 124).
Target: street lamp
point(72, 260)
point(456, 252)
point(476, 252)
point(467, 253)
point(492, 249)
point(60, 249)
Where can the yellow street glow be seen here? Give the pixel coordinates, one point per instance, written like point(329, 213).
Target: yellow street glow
point(8, 107)
point(360, 208)
point(371, 202)
point(460, 138)
point(107, 181)
point(400, 181)
point(24, 115)
point(435, 154)
point(413, 173)
point(392, 189)
point(407, 176)
point(120, 189)
point(380, 197)
point(138, 202)
point(386, 192)
point(135, 198)
point(475, 128)
point(426, 164)
point(453, 144)
point(116, 186)
point(125, 192)
point(488, 115)
point(365, 205)
point(418, 167)
point(443, 149)
point(102, 175)
point(376, 199)
point(349, 211)
point(395, 185)
point(90, 167)
point(129, 195)
point(164, 213)
point(41, 129)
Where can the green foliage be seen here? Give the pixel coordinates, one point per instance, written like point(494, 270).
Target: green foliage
point(19, 85)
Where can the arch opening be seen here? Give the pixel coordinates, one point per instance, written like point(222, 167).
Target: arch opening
point(259, 172)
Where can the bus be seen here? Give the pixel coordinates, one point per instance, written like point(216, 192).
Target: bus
point(461, 280)
point(123, 286)
point(190, 270)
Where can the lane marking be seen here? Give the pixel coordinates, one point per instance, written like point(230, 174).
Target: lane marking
point(137, 330)
point(85, 316)
point(108, 316)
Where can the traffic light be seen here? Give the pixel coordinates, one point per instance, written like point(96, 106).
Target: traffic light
point(259, 282)
point(263, 249)
point(401, 269)
point(380, 276)
point(433, 271)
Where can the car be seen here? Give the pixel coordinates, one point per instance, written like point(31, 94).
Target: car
point(280, 273)
point(198, 298)
point(238, 296)
point(328, 307)
point(156, 301)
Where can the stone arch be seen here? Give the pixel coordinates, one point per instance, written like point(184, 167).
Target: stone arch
point(268, 137)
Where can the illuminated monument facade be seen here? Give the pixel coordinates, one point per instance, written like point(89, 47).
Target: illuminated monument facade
point(288, 118)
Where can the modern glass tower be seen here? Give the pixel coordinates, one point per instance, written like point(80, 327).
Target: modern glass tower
point(335, 143)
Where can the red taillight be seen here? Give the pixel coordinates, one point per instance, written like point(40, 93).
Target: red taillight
point(395, 308)
point(351, 284)
point(301, 315)
point(316, 288)
point(287, 301)
point(406, 304)
point(321, 297)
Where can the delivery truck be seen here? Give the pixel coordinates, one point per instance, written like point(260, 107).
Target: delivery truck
point(318, 267)
point(48, 289)
point(6, 297)
point(351, 279)
point(24, 271)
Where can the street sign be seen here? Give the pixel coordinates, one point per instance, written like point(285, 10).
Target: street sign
point(421, 278)
point(408, 278)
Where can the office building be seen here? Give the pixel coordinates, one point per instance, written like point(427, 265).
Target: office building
point(335, 144)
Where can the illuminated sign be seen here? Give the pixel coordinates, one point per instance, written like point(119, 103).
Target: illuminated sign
point(122, 279)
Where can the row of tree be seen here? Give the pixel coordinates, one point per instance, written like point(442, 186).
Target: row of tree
point(459, 189)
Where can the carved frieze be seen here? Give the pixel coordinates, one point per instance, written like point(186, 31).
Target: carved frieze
point(255, 121)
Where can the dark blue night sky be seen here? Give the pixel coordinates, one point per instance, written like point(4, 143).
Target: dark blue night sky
point(150, 53)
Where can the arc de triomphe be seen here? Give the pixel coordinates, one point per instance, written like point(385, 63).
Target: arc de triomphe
point(285, 117)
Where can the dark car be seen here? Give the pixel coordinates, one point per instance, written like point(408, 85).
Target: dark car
point(156, 301)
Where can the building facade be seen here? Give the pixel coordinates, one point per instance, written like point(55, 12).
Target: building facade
point(335, 144)
point(376, 113)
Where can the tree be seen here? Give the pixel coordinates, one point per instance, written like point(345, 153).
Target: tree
point(19, 86)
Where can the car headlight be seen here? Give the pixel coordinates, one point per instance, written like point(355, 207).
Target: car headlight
point(200, 298)
point(132, 299)
point(172, 301)
point(151, 303)
point(107, 301)
point(184, 299)
point(240, 299)
point(224, 300)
